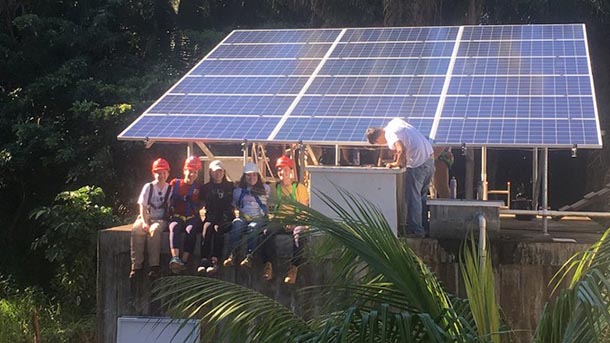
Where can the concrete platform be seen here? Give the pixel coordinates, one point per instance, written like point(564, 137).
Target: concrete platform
point(581, 230)
point(524, 260)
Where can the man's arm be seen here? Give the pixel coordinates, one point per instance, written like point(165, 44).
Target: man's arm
point(399, 156)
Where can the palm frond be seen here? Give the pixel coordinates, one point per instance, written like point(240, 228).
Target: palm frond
point(246, 314)
point(363, 231)
point(479, 282)
point(391, 293)
point(581, 312)
point(382, 325)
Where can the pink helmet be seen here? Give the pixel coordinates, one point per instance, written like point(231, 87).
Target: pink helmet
point(192, 163)
point(160, 164)
point(284, 161)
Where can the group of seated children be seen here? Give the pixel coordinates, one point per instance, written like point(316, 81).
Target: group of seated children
point(176, 206)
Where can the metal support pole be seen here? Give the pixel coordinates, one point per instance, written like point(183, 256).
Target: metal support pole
point(245, 150)
point(535, 179)
point(483, 173)
point(189, 149)
point(545, 190)
point(301, 161)
point(206, 150)
point(482, 239)
point(337, 154)
point(469, 174)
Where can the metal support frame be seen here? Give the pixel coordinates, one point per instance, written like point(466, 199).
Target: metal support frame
point(483, 173)
point(205, 150)
point(301, 161)
point(245, 151)
point(535, 179)
point(556, 213)
point(311, 155)
point(482, 240)
point(545, 190)
point(189, 149)
point(337, 154)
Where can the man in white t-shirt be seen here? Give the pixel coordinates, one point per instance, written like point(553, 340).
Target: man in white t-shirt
point(413, 151)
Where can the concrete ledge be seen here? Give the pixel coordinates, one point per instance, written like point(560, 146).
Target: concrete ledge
point(522, 269)
point(464, 203)
point(117, 296)
point(455, 218)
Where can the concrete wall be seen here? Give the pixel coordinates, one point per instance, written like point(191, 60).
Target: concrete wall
point(523, 271)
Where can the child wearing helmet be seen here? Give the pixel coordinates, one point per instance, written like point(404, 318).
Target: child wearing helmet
point(185, 220)
point(152, 221)
point(217, 196)
point(252, 199)
point(288, 187)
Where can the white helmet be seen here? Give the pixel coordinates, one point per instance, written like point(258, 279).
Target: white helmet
point(216, 165)
point(250, 168)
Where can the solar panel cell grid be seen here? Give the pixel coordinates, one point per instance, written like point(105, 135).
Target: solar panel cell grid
point(507, 85)
point(522, 49)
point(521, 66)
point(383, 107)
point(336, 129)
point(271, 51)
point(413, 50)
point(192, 127)
point(520, 85)
point(236, 105)
point(283, 36)
point(363, 67)
point(377, 85)
point(256, 67)
point(523, 32)
point(400, 34)
point(236, 85)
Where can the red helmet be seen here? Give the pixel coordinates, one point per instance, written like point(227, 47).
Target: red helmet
point(160, 164)
point(284, 161)
point(192, 163)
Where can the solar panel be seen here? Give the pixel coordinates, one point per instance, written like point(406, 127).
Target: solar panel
point(512, 85)
point(521, 86)
point(174, 104)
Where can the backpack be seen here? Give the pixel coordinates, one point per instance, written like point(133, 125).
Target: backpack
point(164, 204)
point(187, 198)
point(245, 192)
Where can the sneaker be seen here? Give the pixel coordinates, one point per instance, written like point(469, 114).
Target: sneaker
point(154, 271)
point(291, 275)
point(247, 262)
point(205, 263)
point(176, 265)
point(229, 261)
point(213, 268)
point(268, 271)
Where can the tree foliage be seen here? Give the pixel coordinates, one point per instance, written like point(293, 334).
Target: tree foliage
point(70, 241)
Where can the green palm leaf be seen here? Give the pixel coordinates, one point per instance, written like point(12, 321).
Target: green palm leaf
point(240, 308)
point(581, 312)
point(479, 282)
point(388, 293)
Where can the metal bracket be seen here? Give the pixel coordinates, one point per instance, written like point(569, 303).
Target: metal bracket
point(205, 150)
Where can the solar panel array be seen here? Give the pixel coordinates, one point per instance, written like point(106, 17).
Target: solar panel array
point(477, 85)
